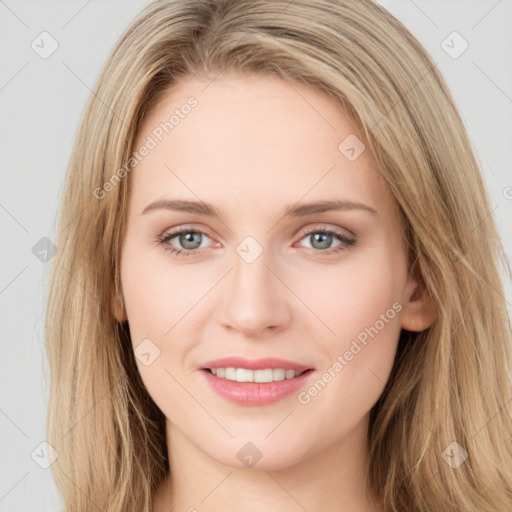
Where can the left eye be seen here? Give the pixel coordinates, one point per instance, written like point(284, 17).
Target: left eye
point(321, 240)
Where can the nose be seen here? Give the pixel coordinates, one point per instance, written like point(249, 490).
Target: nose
point(254, 299)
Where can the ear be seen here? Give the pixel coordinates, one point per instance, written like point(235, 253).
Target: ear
point(118, 309)
point(418, 311)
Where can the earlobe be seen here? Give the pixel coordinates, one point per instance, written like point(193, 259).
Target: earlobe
point(418, 311)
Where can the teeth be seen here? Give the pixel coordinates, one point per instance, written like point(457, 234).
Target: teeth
point(265, 375)
point(278, 374)
point(245, 375)
point(289, 374)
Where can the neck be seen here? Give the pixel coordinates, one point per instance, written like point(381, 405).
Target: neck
point(332, 480)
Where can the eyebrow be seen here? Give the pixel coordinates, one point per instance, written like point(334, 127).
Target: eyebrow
point(296, 210)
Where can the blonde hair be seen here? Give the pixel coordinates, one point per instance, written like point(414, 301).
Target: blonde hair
point(450, 383)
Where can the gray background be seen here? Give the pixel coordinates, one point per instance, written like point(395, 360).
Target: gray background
point(40, 104)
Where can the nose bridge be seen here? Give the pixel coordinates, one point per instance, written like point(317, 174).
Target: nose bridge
point(253, 300)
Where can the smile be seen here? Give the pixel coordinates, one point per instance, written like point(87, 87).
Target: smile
point(255, 382)
point(246, 375)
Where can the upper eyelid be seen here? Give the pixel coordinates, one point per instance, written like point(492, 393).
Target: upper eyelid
point(323, 227)
point(184, 229)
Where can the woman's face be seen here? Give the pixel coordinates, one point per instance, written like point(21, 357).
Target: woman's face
point(270, 276)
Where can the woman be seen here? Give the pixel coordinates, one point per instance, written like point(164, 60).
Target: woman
point(278, 286)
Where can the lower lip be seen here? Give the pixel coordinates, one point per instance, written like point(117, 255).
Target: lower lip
point(255, 393)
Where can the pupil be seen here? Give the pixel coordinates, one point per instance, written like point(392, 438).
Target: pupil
point(190, 240)
point(323, 239)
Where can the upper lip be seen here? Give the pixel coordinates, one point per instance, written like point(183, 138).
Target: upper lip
point(254, 364)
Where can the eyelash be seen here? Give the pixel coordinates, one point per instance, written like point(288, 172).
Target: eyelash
point(166, 237)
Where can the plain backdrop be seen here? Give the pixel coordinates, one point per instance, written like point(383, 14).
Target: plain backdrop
point(41, 100)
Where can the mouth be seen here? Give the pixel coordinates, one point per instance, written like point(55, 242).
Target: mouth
point(255, 382)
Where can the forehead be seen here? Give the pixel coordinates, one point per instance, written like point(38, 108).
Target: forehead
point(251, 138)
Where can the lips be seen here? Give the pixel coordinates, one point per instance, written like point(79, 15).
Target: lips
point(255, 382)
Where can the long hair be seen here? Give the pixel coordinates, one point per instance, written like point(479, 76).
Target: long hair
point(449, 396)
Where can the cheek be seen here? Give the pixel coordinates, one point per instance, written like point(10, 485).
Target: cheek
point(157, 293)
point(360, 302)
point(365, 300)
point(157, 296)
point(354, 295)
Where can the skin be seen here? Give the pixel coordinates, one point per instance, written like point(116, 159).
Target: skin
point(252, 146)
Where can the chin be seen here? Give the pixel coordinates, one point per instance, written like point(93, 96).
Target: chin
point(261, 455)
